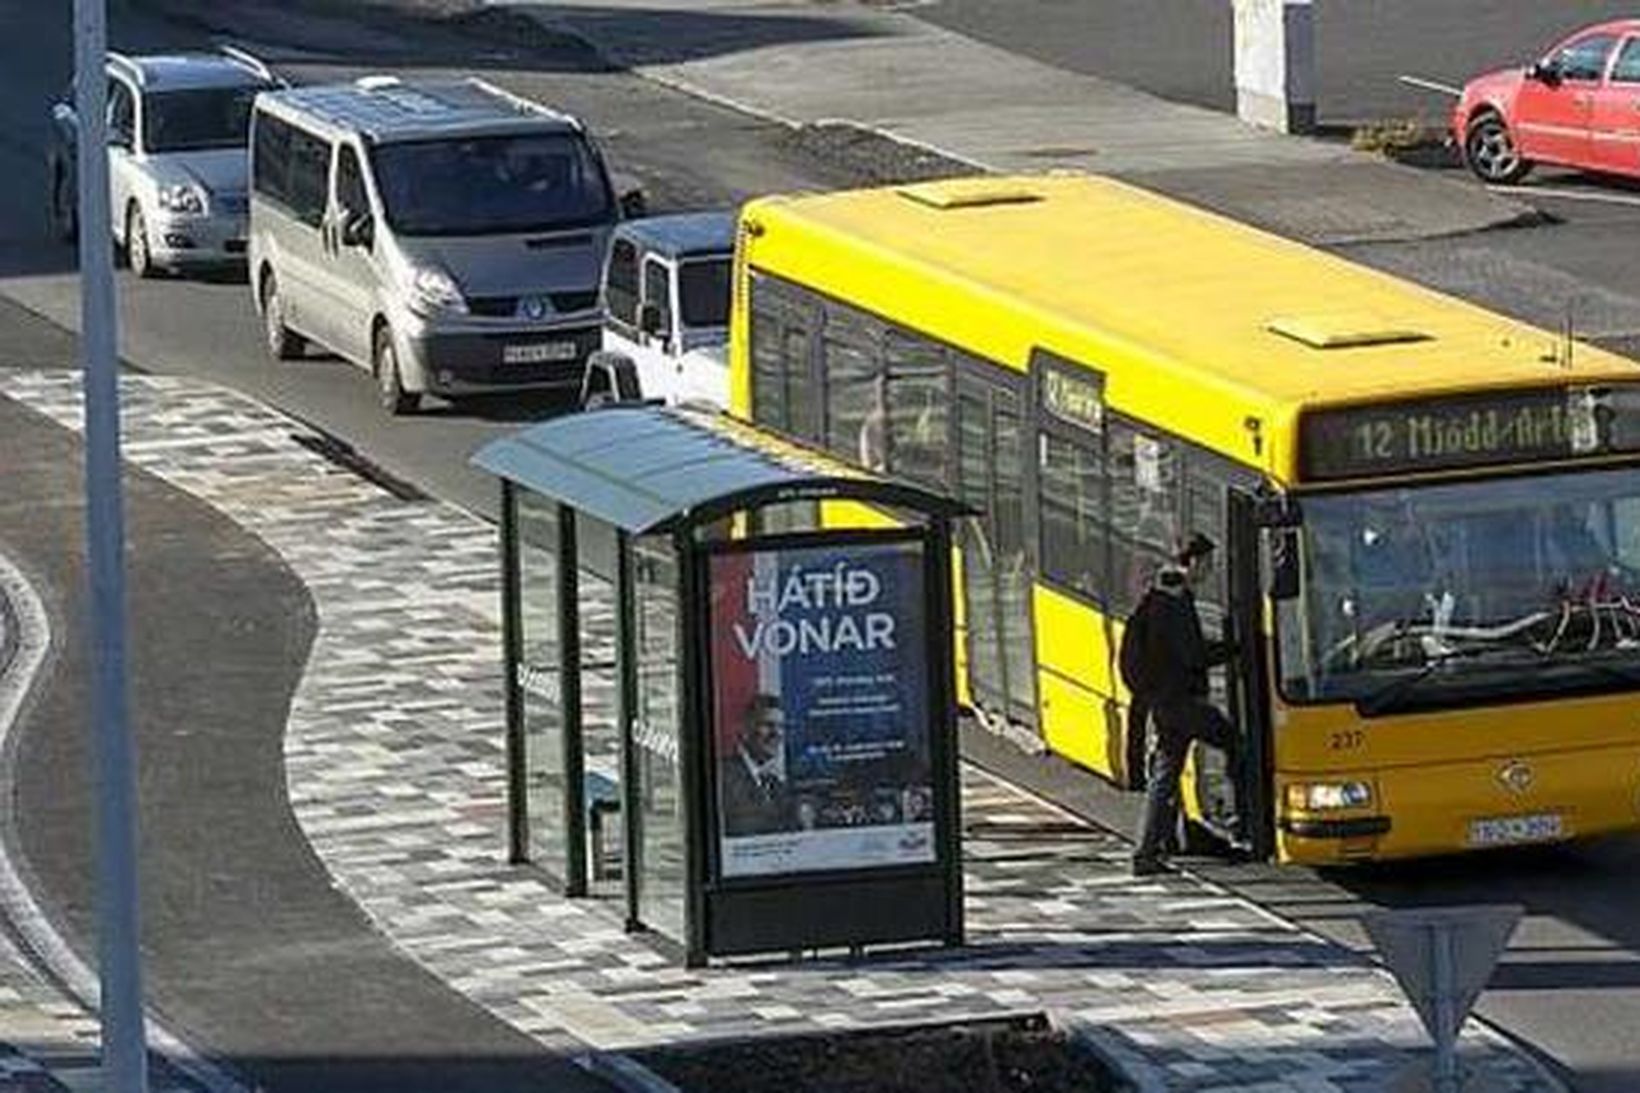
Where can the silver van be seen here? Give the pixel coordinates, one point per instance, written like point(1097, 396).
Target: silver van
point(445, 235)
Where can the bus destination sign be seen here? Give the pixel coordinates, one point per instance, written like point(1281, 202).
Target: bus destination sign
point(1468, 431)
point(1078, 400)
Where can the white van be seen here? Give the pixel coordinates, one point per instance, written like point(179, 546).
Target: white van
point(445, 235)
point(666, 292)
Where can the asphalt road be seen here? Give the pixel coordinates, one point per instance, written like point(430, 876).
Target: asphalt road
point(1181, 49)
point(1572, 981)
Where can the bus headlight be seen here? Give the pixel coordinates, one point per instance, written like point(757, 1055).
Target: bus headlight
point(1328, 796)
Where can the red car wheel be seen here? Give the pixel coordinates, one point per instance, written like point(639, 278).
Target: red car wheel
point(1490, 151)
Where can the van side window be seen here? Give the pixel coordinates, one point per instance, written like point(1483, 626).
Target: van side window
point(270, 163)
point(309, 177)
point(351, 196)
point(122, 113)
point(621, 285)
point(657, 290)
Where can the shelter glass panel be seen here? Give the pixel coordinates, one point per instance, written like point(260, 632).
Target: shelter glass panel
point(656, 727)
point(540, 680)
point(600, 731)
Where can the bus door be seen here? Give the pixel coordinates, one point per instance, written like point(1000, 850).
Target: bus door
point(1236, 804)
point(996, 568)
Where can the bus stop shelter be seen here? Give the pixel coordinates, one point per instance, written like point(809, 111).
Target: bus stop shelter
point(729, 694)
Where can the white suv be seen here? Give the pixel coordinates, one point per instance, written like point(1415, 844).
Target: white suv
point(178, 127)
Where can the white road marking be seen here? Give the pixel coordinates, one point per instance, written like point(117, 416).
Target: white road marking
point(1431, 85)
point(1632, 200)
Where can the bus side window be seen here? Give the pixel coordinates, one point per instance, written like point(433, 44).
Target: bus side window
point(917, 408)
point(783, 387)
point(851, 345)
point(1070, 484)
point(1144, 507)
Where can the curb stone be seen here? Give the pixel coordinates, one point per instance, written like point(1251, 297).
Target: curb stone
point(624, 1073)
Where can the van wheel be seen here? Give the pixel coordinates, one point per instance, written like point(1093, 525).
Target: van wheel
point(137, 254)
point(389, 383)
point(284, 344)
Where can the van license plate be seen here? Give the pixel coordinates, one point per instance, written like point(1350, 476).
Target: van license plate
point(1504, 830)
point(538, 353)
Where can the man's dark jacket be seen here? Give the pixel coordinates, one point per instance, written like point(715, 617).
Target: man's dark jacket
point(1176, 655)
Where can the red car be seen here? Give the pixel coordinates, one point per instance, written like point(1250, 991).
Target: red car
point(1579, 107)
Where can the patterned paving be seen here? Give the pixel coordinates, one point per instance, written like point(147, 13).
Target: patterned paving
point(394, 767)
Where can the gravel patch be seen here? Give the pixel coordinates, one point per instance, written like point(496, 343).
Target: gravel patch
point(993, 1057)
point(876, 158)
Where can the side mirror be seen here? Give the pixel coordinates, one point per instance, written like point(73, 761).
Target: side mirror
point(633, 203)
point(652, 320)
point(359, 230)
point(1283, 576)
point(65, 115)
point(1546, 71)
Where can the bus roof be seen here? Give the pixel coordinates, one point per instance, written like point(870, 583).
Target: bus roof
point(1177, 306)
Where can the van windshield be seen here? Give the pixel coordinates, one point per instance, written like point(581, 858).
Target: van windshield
point(491, 185)
point(704, 286)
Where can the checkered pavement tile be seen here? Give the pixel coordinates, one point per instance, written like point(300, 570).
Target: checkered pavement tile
point(395, 770)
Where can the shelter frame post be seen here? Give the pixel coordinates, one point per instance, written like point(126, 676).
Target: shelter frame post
point(569, 690)
point(512, 639)
point(626, 706)
point(942, 697)
point(694, 638)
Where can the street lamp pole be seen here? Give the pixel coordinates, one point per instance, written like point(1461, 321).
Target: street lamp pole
point(124, 1049)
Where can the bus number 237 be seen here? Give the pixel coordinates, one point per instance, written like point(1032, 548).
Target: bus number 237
point(1347, 740)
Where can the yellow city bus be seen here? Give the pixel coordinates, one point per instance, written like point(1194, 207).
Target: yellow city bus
point(1429, 515)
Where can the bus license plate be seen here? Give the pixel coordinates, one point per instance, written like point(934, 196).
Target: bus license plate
point(538, 353)
point(1504, 830)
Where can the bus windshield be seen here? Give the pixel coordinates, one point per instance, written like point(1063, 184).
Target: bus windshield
point(492, 185)
point(1469, 591)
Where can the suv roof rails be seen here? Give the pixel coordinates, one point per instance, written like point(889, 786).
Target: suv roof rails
point(129, 68)
point(522, 103)
point(248, 60)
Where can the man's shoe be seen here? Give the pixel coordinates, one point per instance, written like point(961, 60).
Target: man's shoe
point(1149, 867)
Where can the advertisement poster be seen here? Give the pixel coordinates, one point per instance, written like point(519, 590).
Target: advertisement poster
point(820, 709)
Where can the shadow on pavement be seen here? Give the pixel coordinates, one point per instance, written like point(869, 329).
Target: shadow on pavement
point(410, 33)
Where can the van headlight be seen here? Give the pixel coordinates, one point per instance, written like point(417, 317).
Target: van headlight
point(1328, 796)
point(184, 197)
point(433, 291)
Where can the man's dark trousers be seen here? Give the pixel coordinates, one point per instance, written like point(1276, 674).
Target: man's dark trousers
point(1175, 722)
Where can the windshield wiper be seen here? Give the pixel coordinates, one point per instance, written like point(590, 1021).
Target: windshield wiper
point(1386, 697)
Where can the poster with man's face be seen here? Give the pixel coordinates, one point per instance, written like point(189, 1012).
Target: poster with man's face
point(820, 708)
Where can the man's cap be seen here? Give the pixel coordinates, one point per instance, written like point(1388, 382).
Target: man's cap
point(1197, 546)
